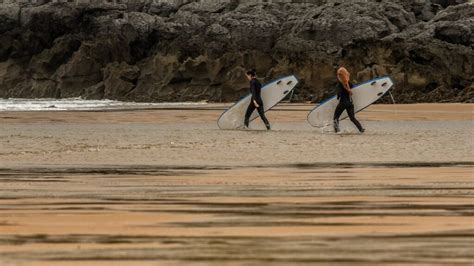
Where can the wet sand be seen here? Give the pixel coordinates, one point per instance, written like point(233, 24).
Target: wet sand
point(166, 187)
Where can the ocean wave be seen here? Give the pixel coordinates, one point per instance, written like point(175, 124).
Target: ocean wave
point(70, 104)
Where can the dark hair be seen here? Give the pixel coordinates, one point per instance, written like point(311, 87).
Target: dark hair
point(252, 72)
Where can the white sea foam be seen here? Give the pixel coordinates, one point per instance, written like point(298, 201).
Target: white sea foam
point(17, 104)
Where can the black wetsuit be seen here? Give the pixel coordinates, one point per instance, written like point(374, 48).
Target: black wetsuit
point(255, 89)
point(345, 103)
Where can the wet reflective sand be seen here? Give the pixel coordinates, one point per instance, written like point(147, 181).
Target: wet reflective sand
point(64, 202)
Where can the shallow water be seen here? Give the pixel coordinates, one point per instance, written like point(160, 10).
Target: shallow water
point(237, 216)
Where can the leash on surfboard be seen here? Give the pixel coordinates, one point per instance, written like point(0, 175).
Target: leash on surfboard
point(394, 104)
point(291, 95)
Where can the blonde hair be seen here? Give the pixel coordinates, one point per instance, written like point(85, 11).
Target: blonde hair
point(343, 75)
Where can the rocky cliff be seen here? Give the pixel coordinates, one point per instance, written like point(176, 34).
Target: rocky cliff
point(198, 50)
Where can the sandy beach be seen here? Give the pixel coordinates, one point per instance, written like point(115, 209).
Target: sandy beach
point(190, 137)
point(165, 186)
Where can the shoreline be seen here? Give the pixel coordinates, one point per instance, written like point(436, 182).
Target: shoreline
point(425, 111)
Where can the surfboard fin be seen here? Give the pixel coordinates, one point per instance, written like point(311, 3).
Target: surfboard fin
point(384, 84)
point(279, 82)
point(373, 83)
point(289, 82)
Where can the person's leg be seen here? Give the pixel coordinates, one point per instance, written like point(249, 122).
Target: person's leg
point(261, 112)
point(248, 113)
point(350, 112)
point(337, 113)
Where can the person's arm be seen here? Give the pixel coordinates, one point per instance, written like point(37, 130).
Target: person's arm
point(347, 87)
point(253, 90)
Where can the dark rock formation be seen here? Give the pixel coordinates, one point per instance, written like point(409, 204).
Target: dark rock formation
point(199, 51)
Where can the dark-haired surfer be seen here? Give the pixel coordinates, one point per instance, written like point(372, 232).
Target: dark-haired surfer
point(256, 102)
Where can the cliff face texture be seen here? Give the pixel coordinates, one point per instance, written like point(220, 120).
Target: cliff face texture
point(187, 51)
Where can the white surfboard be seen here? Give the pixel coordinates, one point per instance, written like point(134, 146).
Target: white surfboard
point(272, 93)
point(363, 95)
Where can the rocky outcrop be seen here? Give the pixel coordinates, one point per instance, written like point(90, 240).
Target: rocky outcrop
point(181, 51)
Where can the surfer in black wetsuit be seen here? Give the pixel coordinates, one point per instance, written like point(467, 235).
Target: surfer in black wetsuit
point(344, 93)
point(256, 102)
